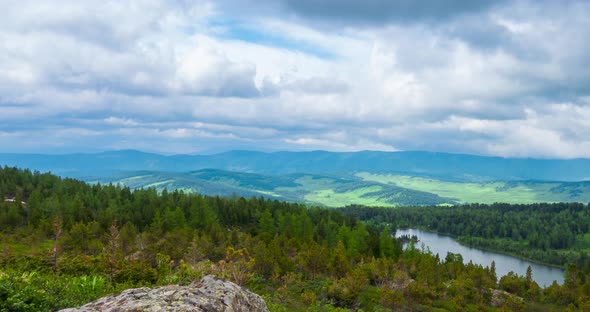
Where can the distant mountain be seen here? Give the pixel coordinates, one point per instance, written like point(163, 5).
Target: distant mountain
point(450, 167)
point(362, 188)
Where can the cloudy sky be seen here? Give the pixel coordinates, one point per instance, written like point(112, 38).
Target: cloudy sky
point(506, 78)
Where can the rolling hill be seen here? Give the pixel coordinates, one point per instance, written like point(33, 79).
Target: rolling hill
point(361, 188)
point(449, 167)
point(514, 192)
point(326, 190)
point(332, 179)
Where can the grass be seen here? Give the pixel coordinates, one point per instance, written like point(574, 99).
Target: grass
point(311, 183)
point(331, 191)
point(268, 193)
point(362, 189)
point(522, 192)
point(159, 183)
point(583, 241)
point(330, 198)
point(137, 177)
point(20, 249)
point(186, 190)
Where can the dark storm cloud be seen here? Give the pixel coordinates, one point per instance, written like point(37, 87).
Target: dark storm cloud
point(385, 11)
point(367, 12)
point(478, 30)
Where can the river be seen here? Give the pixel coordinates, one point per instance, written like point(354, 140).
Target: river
point(441, 245)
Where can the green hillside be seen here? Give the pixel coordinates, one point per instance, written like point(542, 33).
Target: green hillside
point(517, 192)
point(359, 189)
point(326, 190)
point(362, 188)
point(332, 179)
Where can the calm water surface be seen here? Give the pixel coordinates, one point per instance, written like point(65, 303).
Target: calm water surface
point(439, 244)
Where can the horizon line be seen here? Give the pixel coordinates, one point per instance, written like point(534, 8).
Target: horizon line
point(285, 151)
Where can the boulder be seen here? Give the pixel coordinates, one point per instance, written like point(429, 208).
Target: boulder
point(500, 298)
point(209, 294)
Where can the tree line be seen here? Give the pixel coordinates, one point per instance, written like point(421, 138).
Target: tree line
point(553, 233)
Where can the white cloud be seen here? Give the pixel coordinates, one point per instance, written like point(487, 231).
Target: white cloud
point(120, 121)
point(309, 143)
point(127, 71)
point(203, 69)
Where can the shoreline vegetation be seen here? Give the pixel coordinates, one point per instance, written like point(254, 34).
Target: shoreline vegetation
point(464, 240)
point(550, 233)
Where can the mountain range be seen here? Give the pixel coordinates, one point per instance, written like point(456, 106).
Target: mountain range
point(455, 167)
point(331, 178)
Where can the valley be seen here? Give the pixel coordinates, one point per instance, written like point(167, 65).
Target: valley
point(514, 192)
point(388, 179)
point(363, 188)
point(72, 242)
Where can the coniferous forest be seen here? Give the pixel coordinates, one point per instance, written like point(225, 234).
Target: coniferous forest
point(551, 233)
point(64, 243)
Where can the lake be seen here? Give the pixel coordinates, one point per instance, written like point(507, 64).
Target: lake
point(441, 245)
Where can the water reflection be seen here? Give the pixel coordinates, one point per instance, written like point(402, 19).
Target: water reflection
point(441, 245)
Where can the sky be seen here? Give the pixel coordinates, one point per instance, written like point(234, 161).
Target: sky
point(501, 78)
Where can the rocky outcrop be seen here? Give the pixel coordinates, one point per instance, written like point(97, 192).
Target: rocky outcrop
point(209, 294)
point(500, 298)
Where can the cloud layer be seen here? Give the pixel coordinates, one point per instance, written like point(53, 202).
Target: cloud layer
point(484, 77)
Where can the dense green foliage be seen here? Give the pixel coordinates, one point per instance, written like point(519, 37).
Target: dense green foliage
point(67, 243)
point(557, 233)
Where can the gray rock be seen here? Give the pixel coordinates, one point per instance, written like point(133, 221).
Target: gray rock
point(208, 295)
point(500, 297)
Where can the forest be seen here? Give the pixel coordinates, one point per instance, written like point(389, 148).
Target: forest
point(64, 242)
point(550, 233)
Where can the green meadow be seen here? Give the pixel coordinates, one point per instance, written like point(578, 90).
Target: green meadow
point(363, 188)
point(515, 192)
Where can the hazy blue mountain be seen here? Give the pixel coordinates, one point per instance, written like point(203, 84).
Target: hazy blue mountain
point(455, 167)
point(331, 179)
